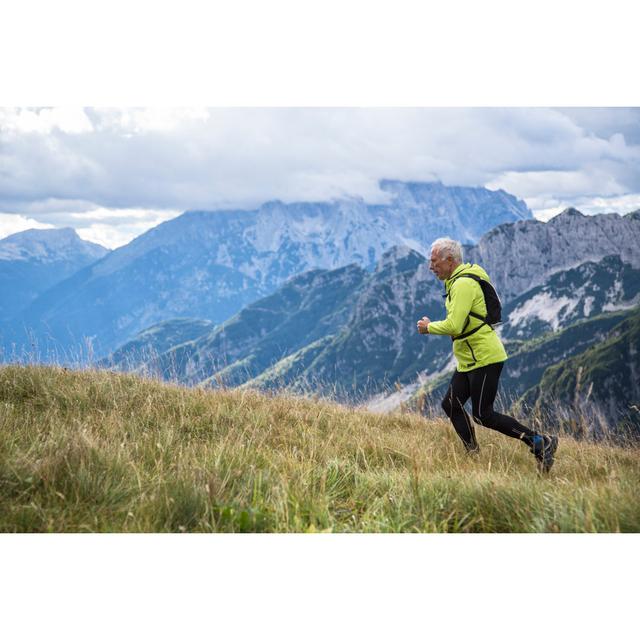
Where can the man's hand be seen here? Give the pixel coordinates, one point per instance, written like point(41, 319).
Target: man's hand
point(423, 325)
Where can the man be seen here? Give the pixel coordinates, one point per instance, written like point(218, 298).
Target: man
point(479, 353)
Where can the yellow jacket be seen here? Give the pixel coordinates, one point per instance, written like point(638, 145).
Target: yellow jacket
point(462, 296)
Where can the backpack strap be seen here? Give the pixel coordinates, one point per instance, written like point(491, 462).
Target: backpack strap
point(471, 313)
point(470, 333)
point(460, 275)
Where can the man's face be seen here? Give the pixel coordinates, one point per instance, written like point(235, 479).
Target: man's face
point(442, 267)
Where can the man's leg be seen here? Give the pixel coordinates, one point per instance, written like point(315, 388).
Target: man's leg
point(483, 384)
point(453, 405)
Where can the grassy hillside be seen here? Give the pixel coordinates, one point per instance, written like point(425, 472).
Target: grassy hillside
point(99, 451)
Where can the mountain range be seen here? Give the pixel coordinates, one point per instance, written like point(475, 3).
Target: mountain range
point(350, 333)
point(210, 265)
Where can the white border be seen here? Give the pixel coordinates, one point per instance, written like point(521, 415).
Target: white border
point(319, 54)
point(318, 586)
point(311, 53)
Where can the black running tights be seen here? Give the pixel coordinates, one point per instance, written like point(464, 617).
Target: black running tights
point(481, 385)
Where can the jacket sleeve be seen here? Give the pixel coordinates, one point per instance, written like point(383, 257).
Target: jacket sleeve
point(461, 297)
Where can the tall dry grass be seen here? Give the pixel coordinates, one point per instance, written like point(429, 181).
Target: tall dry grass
point(100, 451)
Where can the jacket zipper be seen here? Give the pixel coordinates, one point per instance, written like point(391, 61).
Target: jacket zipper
point(473, 355)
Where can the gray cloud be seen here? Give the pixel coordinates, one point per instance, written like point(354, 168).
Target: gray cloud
point(605, 123)
point(53, 164)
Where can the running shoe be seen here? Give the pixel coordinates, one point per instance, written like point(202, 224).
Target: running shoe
point(544, 448)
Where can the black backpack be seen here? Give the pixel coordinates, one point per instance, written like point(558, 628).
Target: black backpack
point(492, 302)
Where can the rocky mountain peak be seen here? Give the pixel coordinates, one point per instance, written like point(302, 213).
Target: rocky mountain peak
point(571, 211)
point(48, 245)
point(396, 254)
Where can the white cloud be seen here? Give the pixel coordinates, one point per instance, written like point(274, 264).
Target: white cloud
point(607, 122)
point(110, 236)
point(113, 228)
point(147, 119)
point(546, 209)
point(101, 213)
point(45, 120)
point(177, 159)
point(11, 223)
point(536, 184)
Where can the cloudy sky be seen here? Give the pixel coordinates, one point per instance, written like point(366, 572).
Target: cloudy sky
point(114, 173)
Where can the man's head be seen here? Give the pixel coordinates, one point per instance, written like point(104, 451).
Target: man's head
point(446, 256)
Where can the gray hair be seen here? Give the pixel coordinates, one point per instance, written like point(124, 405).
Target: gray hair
point(448, 247)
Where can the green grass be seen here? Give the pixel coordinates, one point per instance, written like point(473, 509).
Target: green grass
point(98, 451)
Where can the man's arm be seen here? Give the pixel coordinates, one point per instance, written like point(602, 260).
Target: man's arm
point(461, 295)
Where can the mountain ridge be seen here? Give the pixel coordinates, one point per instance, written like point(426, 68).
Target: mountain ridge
point(212, 264)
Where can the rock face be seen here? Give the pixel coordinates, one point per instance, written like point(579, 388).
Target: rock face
point(571, 295)
point(462, 213)
point(212, 264)
point(35, 260)
point(521, 256)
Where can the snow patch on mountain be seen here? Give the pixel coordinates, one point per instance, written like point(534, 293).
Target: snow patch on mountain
point(621, 305)
point(545, 307)
point(588, 305)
